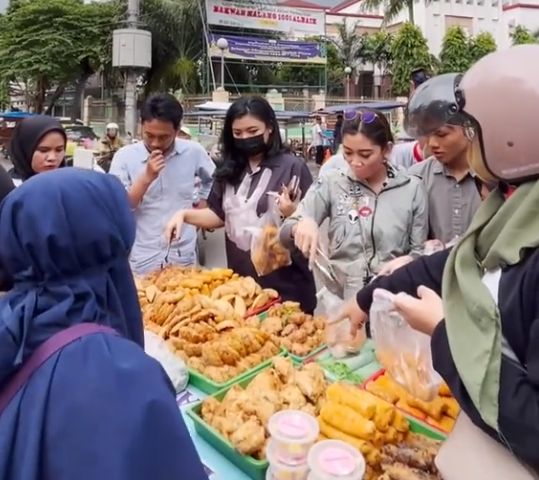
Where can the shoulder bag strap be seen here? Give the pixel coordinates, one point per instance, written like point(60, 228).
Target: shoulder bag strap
point(46, 350)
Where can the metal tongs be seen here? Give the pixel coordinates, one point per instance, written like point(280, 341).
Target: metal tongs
point(293, 188)
point(332, 278)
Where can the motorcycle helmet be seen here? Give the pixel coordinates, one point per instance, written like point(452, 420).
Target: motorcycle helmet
point(497, 102)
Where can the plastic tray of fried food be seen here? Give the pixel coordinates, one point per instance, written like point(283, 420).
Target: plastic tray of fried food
point(234, 420)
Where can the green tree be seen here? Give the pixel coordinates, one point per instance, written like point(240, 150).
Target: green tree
point(379, 50)
point(177, 44)
point(350, 45)
point(50, 45)
point(522, 36)
point(409, 51)
point(455, 55)
point(481, 45)
point(391, 8)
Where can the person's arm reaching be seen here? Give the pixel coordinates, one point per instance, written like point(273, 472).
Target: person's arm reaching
point(426, 271)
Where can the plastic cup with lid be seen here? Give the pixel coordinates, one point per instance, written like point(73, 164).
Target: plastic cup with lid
point(280, 470)
point(293, 433)
point(335, 460)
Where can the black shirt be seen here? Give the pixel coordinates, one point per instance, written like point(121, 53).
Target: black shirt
point(518, 303)
point(294, 282)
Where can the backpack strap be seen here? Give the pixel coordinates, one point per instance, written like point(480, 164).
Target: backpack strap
point(45, 351)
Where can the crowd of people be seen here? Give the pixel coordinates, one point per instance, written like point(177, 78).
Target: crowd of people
point(86, 402)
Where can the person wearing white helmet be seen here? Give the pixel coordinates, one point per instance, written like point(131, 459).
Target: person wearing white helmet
point(185, 133)
point(110, 144)
point(478, 301)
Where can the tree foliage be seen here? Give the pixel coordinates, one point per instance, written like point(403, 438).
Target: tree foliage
point(455, 55)
point(409, 51)
point(52, 44)
point(481, 45)
point(391, 8)
point(379, 50)
point(522, 36)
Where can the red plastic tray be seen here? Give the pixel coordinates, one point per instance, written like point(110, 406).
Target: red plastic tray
point(426, 421)
point(265, 308)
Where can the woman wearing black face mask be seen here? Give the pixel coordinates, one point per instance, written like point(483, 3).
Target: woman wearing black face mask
point(254, 162)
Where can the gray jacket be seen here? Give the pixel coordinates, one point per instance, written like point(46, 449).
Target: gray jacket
point(365, 229)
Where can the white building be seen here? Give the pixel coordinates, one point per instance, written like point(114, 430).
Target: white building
point(499, 17)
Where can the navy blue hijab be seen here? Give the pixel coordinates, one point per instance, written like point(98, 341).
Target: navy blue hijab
point(100, 408)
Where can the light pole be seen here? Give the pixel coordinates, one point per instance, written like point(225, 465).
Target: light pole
point(347, 71)
point(222, 44)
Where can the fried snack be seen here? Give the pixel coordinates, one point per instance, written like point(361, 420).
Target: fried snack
point(364, 404)
point(243, 414)
point(267, 252)
point(440, 412)
point(347, 420)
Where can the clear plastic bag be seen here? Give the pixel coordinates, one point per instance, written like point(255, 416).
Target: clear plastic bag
point(338, 335)
point(401, 350)
point(267, 252)
point(173, 365)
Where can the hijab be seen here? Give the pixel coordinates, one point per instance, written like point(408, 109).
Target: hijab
point(69, 263)
point(26, 137)
point(99, 408)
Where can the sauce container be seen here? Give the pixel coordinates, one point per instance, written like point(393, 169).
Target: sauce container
point(293, 433)
point(278, 470)
point(335, 460)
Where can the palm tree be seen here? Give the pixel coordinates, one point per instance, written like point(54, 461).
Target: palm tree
point(391, 8)
point(349, 44)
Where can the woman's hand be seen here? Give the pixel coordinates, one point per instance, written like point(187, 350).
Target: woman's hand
point(174, 226)
point(423, 313)
point(389, 267)
point(287, 206)
point(353, 312)
point(306, 237)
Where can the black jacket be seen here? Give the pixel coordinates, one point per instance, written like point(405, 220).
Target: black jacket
point(518, 302)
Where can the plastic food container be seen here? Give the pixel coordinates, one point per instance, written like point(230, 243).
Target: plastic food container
point(335, 460)
point(293, 433)
point(279, 470)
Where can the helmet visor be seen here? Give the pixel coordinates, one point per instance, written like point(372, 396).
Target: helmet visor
point(434, 104)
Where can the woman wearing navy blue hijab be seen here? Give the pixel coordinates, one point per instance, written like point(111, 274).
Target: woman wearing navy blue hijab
point(100, 408)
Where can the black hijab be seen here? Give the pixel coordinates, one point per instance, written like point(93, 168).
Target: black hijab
point(26, 137)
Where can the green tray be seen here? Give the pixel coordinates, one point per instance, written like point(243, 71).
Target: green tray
point(298, 359)
point(207, 385)
point(255, 469)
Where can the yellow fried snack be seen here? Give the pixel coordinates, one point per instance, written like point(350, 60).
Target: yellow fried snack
point(347, 420)
point(357, 399)
point(269, 254)
point(335, 434)
point(434, 409)
point(451, 407)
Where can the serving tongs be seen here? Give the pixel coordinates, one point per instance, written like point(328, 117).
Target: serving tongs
point(332, 278)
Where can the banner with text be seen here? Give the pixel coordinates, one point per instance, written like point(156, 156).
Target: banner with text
point(268, 50)
point(265, 16)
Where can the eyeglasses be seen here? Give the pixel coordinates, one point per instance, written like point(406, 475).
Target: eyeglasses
point(365, 116)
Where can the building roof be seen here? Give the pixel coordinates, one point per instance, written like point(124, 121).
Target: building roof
point(329, 5)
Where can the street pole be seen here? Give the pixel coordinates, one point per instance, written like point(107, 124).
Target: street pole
point(222, 44)
point(223, 69)
point(133, 11)
point(347, 71)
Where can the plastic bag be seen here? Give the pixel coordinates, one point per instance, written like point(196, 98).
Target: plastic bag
point(338, 335)
point(267, 252)
point(173, 365)
point(401, 350)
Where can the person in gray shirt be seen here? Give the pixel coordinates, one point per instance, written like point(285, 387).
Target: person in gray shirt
point(452, 190)
point(159, 175)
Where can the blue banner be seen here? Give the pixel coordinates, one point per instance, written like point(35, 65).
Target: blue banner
point(269, 50)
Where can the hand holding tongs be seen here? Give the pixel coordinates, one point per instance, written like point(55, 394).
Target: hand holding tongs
point(327, 271)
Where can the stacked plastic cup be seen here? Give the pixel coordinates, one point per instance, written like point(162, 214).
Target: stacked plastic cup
point(293, 433)
point(335, 460)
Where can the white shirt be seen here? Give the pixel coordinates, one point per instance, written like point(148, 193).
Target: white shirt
point(316, 136)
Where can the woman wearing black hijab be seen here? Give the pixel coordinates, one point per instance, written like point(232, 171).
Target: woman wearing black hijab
point(38, 145)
